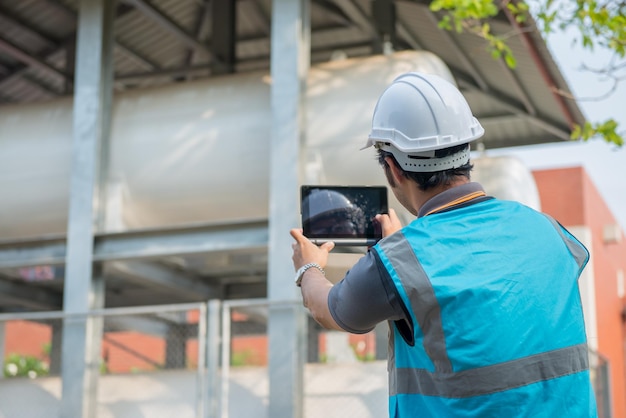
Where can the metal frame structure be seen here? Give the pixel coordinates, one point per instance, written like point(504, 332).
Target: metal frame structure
point(287, 331)
point(212, 38)
point(84, 282)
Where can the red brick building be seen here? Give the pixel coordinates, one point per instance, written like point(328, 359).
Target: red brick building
point(569, 195)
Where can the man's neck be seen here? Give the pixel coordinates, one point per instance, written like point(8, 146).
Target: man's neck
point(421, 197)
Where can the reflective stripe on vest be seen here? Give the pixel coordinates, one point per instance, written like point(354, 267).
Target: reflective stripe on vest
point(495, 378)
point(443, 381)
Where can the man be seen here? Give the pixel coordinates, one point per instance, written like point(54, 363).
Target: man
point(481, 295)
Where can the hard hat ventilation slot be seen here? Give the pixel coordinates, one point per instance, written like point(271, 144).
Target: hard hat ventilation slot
point(426, 164)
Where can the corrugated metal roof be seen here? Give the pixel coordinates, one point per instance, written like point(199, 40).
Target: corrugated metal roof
point(166, 35)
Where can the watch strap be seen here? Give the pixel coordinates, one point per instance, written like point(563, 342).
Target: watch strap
point(304, 268)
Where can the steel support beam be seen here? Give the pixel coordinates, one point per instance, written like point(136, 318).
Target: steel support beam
point(154, 275)
point(137, 245)
point(30, 59)
point(138, 58)
point(49, 40)
point(358, 17)
point(290, 60)
point(462, 55)
point(30, 297)
point(23, 25)
point(224, 18)
point(84, 284)
point(63, 44)
point(407, 35)
point(506, 104)
point(245, 291)
point(151, 12)
point(200, 27)
point(384, 16)
point(264, 17)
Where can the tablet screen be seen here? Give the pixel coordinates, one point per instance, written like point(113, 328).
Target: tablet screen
point(343, 214)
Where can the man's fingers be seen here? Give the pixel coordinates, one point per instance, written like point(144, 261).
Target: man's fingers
point(389, 223)
point(328, 246)
point(296, 233)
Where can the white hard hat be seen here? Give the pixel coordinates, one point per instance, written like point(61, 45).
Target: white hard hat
point(419, 114)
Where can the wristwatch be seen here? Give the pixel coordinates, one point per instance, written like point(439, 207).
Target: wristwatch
point(303, 270)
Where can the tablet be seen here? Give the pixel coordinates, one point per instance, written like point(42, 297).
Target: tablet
point(342, 214)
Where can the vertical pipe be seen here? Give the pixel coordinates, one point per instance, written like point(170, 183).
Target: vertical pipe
point(290, 59)
point(224, 20)
point(91, 100)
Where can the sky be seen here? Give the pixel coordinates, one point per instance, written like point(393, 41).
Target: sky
point(605, 163)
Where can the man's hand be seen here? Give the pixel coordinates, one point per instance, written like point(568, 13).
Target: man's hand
point(389, 223)
point(315, 287)
point(304, 251)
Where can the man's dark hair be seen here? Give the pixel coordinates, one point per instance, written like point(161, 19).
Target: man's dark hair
point(426, 181)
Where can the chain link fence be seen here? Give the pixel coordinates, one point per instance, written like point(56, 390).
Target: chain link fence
point(345, 375)
point(131, 343)
point(150, 359)
point(201, 361)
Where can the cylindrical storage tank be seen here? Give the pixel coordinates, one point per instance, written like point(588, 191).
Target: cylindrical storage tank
point(195, 151)
point(507, 178)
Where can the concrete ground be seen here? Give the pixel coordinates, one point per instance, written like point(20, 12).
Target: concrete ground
point(331, 391)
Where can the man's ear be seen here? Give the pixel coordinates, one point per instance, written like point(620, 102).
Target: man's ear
point(394, 170)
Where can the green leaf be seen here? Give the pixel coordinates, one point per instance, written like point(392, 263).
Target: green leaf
point(601, 24)
point(510, 60)
point(606, 131)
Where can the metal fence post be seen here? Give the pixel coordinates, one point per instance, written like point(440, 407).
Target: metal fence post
point(201, 387)
point(225, 375)
point(213, 357)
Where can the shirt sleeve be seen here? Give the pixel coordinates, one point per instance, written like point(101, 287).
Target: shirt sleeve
point(361, 299)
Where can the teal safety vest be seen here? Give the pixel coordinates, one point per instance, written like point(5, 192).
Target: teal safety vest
point(491, 290)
